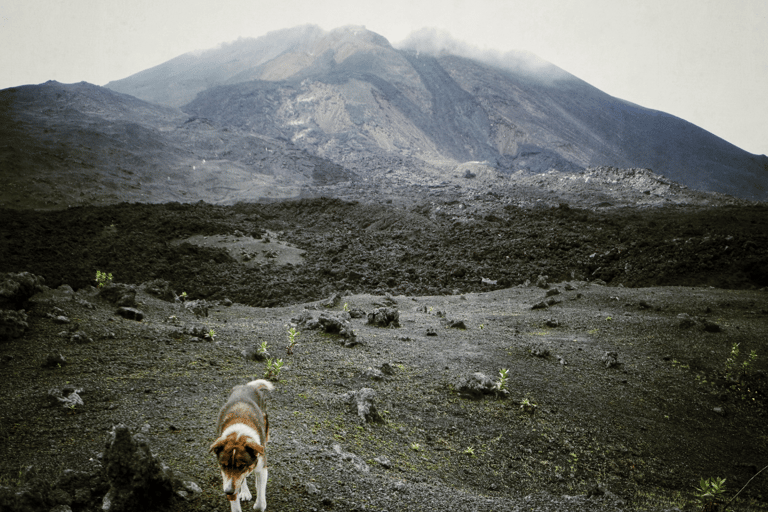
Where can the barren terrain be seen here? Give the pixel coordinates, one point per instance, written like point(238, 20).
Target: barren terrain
point(628, 378)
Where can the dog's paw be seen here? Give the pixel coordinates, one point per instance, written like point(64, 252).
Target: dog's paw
point(245, 494)
point(260, 505)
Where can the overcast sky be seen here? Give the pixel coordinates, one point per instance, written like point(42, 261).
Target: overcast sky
point(705, 61)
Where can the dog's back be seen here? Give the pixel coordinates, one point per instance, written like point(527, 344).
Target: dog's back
point(246, 405)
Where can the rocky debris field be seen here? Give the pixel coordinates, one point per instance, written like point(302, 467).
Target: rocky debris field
point(631, 342)
point(298, 251)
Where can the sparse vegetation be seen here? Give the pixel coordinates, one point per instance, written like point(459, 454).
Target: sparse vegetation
point(273, 369)
point(709, 493)
point(735, 371)
point(292, 335)
point(501, 384)
point(103, 278)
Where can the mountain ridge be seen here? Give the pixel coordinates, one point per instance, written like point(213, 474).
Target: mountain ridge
point(348, 94)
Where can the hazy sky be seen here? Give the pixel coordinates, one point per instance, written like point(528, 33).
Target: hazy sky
point(705, 61)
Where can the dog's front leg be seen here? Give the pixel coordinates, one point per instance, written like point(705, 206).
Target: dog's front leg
point(261, 490)
point(245, 492)
point(235, 505)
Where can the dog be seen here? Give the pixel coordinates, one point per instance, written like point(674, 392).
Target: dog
point(243, 430)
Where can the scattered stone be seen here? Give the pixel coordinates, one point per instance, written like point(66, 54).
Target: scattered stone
point(68, 397)
point(387, 302)
point(373, 374)
point(161, 289)
point(130, 313)
point(384, 317)
point(137, 479)
point(541, 281)
point(552, 291)
point(61, 319)
point(337, 324)
point(128, 300)
point(431, 332)
point(358, 462)
point(710, 326)
point(357, 313)
point(540, 305)
point(198, 307)
point(17, 288)
point(12, 324)
point(552, 322)
point(383, 461)
point(719, 411)
point(457, 324)
point(114, 292)
point(54, 360)
point(331, 323)
point(686, 322)
point(361, 403)
point(226, 303)
point(539, 350)
point(331, 302)
point(475, 386)
point(80, 337)
point(254, 353)
point(387, 369)
point(569, 287)
point(610, 359)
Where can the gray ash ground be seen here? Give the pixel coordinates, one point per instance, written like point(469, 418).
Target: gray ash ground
point(635, 435)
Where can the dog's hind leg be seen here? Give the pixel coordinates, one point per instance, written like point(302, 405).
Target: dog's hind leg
point(261, 490)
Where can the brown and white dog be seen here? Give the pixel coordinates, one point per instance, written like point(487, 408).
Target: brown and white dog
point(243, 431)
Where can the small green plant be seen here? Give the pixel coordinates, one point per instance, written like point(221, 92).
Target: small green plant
point(709, 493)
point(183, 296)
point(469, 451)
point(263, 347)
point(292, 335)
point(573, 459)
point(346, 307)
point(527, 406)
point(735, 371)
point(273, 368)
point(416, 447)
point(103, 279)
point(501, 384)
point(211, 335)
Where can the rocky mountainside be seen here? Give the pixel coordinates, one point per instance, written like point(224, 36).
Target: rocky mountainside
point(350, 96)
point(74, 144)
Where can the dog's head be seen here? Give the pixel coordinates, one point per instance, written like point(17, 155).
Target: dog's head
point(237, 456)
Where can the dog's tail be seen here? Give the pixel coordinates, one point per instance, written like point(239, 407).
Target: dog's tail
point(262, 384)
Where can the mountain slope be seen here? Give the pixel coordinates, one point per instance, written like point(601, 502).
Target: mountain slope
point(67, 144)
point(348, 95)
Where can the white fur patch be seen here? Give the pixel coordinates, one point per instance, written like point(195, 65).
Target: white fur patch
point(262, 383)
point(241, 429)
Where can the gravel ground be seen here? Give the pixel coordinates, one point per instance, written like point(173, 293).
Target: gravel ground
point(634, 430)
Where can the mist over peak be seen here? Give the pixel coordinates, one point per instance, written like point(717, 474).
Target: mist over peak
point(440, 43)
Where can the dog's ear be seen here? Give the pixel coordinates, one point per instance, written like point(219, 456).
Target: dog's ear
point(217, 447)
point(254, 449)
